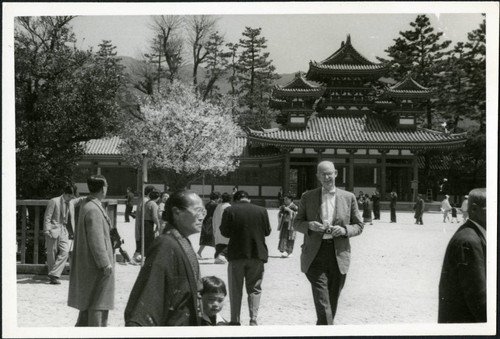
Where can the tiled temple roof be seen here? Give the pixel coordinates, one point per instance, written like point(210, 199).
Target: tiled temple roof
point(104, 146)
point(361, 130)
point(408, 87)
point(345, 60)
point(110, 146)
point(298, 86)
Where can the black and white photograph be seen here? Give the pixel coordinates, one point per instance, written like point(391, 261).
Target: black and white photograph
point(273, 169)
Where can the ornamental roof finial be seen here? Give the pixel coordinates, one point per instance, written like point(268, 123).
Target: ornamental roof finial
point(348, 40)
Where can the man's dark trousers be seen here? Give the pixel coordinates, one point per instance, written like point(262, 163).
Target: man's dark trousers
point(326, 282)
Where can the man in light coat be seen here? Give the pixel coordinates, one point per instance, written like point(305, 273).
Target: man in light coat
point(220, 241)
point(328, 217)
point(92, 280)
point(58, 223)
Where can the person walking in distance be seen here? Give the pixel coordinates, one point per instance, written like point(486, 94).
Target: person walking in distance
point(246, 225)
point(136, 259)
point(58, 223)
point(328, 217)
point(462, 287)
point(92, 280)
point(446, 208)
point(129, 205)
point(464, 208)
point(376, 205)
point(286, 216)
point(220, 240)
point(394, 200)
point(207, 232)
point(419, 210)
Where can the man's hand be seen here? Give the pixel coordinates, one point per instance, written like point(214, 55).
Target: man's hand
point(317, 227)
point(107, 270)
point(338, 231)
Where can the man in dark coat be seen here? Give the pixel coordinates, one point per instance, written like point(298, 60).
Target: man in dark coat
point(246, 226)
point(92, 280)
point(419, 210)
point(462, 288)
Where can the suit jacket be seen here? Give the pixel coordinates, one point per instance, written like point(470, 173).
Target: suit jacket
point(53, 217)
point(419, 208)
point(462, 288)
point(92, 251)
point(346, 214)
point(166, 291)
point(246, 225)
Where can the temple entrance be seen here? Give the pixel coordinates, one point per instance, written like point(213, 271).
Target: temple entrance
point(398, 178)
point(302, 178)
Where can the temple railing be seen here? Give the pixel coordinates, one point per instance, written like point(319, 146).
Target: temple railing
point(29, 229)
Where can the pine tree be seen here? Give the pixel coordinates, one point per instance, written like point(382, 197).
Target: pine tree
point(216, 64)
point(419, 52)
point(255, 74)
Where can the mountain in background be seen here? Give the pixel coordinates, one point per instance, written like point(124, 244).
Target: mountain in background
point(132, 66)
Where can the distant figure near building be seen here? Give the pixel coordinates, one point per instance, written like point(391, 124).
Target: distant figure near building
point(394, 200)
point(246, 225)
point(464, 208)
point(129, 205)
point(58, 223)
point(446, 208)
point(151, 219)
point(462, 288)
point(92, 278)
point(367, 210)
point(376, 205)
point(328, 217)
point(419, 210)
point(286, 217)
point(220, 240)
point(280, 197)
point(138, 221)
point(207, 231)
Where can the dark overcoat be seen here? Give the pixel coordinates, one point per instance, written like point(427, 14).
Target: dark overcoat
point(92, 252)
point(166, 290)
point(246, 225)
point(462, 288)
point(419, 208)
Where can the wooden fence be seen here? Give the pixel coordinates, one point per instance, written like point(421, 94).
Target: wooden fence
point(29, 229)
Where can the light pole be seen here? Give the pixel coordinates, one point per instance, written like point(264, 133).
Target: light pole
point(144, 181)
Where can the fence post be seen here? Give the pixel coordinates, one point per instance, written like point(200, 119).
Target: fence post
point(36, 234)
point(23, 234)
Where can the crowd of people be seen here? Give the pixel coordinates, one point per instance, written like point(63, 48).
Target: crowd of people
point(169, 290)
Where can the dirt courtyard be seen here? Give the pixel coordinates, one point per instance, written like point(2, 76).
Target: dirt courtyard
point(393, 279)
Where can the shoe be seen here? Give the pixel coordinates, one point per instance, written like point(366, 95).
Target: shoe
point(54, 280)
point(253, 323)
point(284, 255)
point(290, 255)
point(234, 323)
point(137, 257)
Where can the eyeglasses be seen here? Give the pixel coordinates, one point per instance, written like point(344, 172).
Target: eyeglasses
point(199, 212)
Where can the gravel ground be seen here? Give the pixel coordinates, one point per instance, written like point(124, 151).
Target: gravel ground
point(393, 279)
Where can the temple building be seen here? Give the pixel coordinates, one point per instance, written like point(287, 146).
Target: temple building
point(339, 111)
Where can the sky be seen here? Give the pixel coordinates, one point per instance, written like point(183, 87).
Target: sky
point(293, 40)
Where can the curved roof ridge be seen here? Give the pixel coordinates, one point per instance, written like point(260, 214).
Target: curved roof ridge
point(298, 82)
point(347, 51)
point(408, 83)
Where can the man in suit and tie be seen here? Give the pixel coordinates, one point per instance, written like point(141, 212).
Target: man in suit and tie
point(246, 225)
point(58, 223)
point(328, 217)
point(92, 281)
point(462, 288)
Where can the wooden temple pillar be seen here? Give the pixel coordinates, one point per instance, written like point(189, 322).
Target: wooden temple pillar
point(350, 176)
point(415, 177)
point(383, 172)
point(286, 172)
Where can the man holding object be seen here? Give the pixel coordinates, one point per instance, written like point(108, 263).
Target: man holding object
point(327, 217)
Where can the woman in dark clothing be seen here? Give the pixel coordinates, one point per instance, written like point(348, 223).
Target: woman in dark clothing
point(151, 219)
point(394, 199)
point(207, 231)
point(166, 290)
point(376, 205)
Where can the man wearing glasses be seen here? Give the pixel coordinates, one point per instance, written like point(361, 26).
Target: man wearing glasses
point(246, 225)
